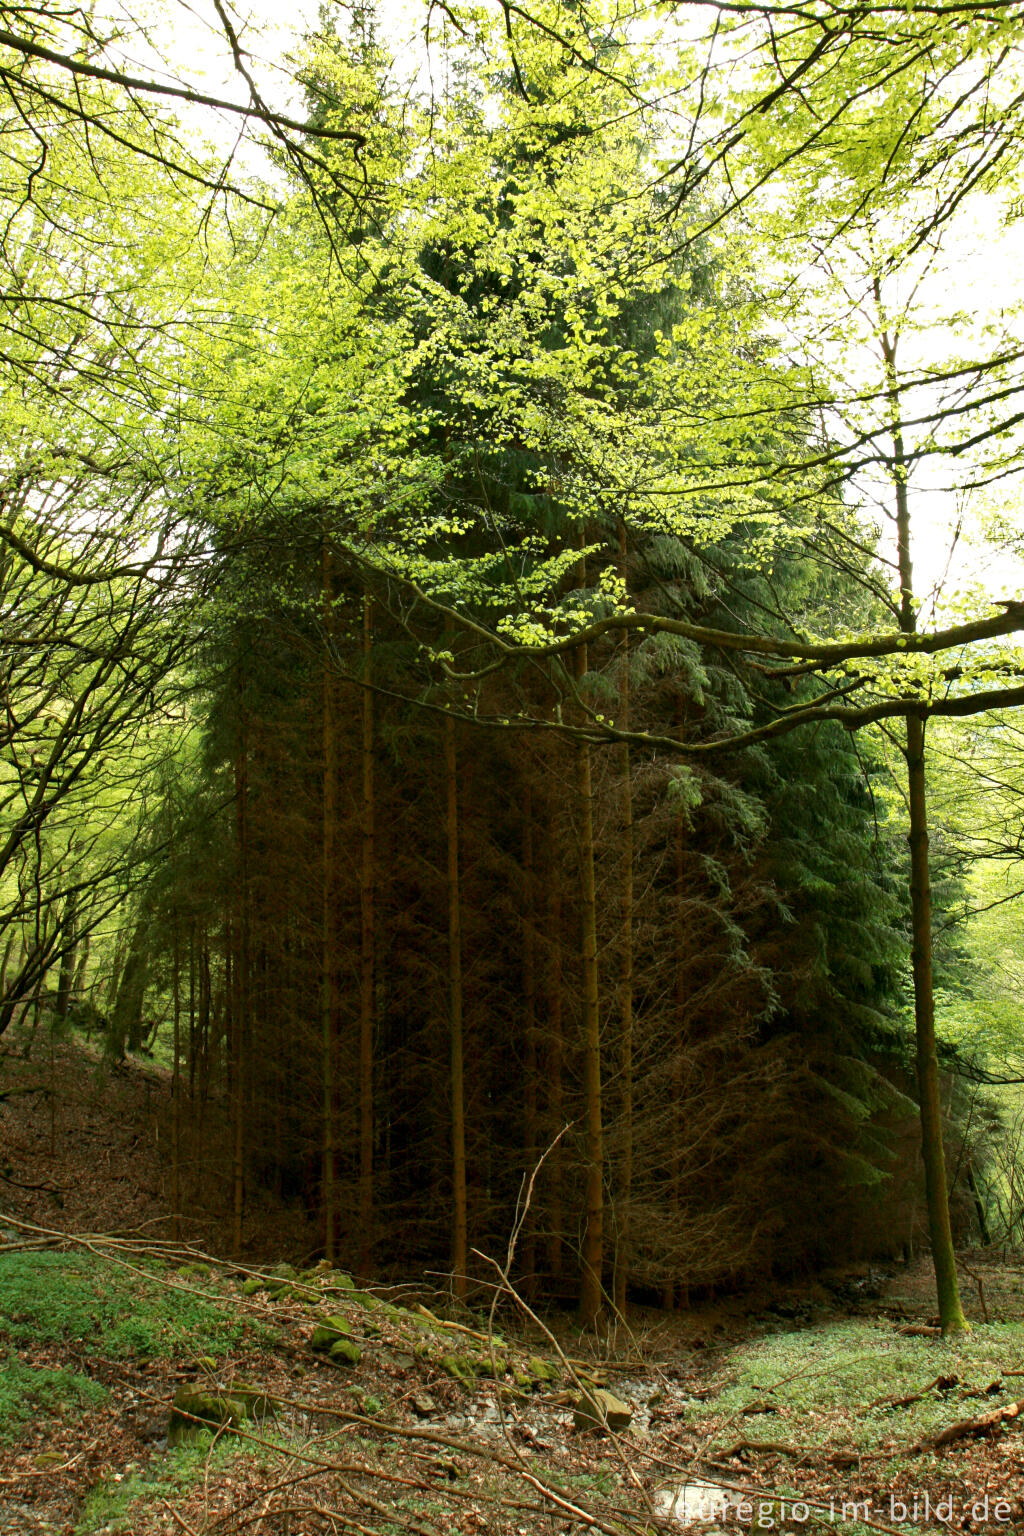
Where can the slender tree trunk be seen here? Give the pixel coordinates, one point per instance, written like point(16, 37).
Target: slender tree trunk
point(329, 966)
point(668, 1295)
point(241, 968)
point(8, 951)
point(81, 968)
point(984, 1231)
point(529, 1259)
point(68, 956)
point(951, 1315)
point(592, 1255)
point(367, 956)
point(625, 1178)
point(458, 1110)
point(556, 1051)
point(176, 1089)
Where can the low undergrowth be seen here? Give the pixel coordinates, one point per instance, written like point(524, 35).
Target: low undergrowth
point(49, 1298)
point(28, 1392)
point(847, 1384)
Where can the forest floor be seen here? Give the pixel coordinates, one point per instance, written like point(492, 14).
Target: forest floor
point(832, 1404)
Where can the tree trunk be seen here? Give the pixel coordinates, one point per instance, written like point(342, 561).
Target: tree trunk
point(625, 1171)
point(529, 1261)
point(951, 1315)
point(592, 1254)
point(367, 949)
point(329, 962)
point(556, 1095)
point(241, 977)
point(176, 1090)
point(458, 1111)
point(68, 956)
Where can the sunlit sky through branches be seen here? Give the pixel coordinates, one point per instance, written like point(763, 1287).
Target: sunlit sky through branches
point(964, 299)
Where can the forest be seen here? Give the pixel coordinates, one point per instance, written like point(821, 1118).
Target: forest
point(510, 553)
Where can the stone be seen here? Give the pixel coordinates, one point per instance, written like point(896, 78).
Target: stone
point(484, 1365)
point(213, 1410)
point(345, 1352)
point(541, 1370)
point(423, 1405)
point(458, 1369)
point(600, 1409)
point(280, 1278)
point(258, 1404)
point(329, 1332)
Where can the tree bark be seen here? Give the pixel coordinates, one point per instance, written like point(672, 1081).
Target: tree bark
point(556, 1048)
point(592, 1254)
point(530, 1138)
point(455, 1022)
point(625, 1172)
point(951, 1315)
point(329, 939)
point(367, 954)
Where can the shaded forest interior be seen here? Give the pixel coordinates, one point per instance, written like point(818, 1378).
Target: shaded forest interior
point(464, 689)
point(379, 939)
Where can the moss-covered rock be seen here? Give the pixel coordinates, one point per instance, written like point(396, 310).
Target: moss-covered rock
point(458, 1369)
point(258, 1404)
point(252, 1285)
point(194, 1411)
point(542, 1370)
point(329, 1332)
point(600, 1409)
point(280, 1278)
point(488, 1366)
point(344, 1352)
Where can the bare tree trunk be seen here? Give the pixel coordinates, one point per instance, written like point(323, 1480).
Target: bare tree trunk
point(625, 1171)
point(556, 1051)
point(367, 955)
point(668, 1294)
point(176, 1090)
point(951, 1315)
point(240, 1008)
point(530, 1042)
point(458, 1109)
point(68, 956)
point(592, 1254)
point(329, 968)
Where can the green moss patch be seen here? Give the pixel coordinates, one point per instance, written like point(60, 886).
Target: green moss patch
point(28, 1393)
point(50, 1298)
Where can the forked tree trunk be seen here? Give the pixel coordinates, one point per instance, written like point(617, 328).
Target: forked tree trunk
point(951, 1315)
point(458, 1107)
point(367, 955)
